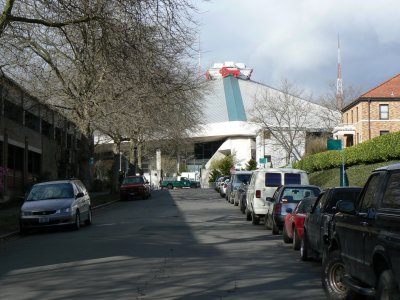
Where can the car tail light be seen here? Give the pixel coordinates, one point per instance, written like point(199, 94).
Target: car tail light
point(277, 208)
point(258, 193)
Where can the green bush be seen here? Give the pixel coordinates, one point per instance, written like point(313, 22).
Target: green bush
point(251, 165)
point(379, 149)
point(221, 167)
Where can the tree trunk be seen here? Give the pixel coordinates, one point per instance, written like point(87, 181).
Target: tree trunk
point(116, 174)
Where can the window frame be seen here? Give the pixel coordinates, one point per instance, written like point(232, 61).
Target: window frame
point(383, 113)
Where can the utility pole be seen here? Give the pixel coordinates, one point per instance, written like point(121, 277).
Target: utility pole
point(339, 82)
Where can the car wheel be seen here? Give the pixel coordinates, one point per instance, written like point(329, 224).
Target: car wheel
point(77, 223)
point(275, 228)
point(170, 186)
point(88, 221)
point(304, 247)
point(332, 275)
point(242, 208)
point(286, 238)
point(296, 240)
point(248, 216)
point(387, 287)
point(254, 219)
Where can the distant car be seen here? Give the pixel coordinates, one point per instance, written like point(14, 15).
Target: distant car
point(228, 189)
point(263, 184)
point(56, 203)
point(286, 196)
point(219, 182)
point(240, 197)
point(222, 189)
point(293, 228)
point(134, 187)
point(238, 177)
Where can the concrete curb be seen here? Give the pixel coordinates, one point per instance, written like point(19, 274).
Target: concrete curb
point(15, 233)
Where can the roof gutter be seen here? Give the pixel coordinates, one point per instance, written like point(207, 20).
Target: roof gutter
point(369, 118)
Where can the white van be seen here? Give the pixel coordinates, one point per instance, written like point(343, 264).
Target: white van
point(263, 184)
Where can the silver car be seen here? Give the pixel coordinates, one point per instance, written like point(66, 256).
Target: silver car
point(56, 203)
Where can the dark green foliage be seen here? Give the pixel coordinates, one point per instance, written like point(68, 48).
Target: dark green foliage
point(251, 165)
point(214, 174)
point(379, 149)
point(221, 167)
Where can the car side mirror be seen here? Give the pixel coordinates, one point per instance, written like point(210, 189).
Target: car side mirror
point(79, 195)
point(269, 199)
point(346, 207)
point(147, 182)
point(289, 210)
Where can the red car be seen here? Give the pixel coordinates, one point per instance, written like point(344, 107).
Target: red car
point(293, 228)
point(135, 187)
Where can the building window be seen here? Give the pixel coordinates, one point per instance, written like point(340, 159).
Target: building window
point(32, 121)
point(384, 112)
point(356, 114)
point(12, 111)
point(383, 132)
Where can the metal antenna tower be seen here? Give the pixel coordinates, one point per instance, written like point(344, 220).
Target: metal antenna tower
point(339, 82)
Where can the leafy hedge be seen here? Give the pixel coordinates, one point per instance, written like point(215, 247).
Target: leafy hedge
point(379, 149)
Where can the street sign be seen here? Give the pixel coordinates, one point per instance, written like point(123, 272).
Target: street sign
point(334, 144)
point(263, 160)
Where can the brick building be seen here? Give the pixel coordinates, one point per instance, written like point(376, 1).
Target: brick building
point(36, 142)
point(374, 113)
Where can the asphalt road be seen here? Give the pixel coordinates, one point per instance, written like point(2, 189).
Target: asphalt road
point(179, 244)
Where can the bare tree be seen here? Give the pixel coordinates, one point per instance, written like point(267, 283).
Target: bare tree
point(285, 117)
point(106, 64)
point(331, 116)
point(11, 13)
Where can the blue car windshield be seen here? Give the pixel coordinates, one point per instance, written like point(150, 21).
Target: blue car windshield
point(51, 191)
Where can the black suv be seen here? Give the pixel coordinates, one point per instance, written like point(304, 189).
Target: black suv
point(286, 196)
point(317, 223)
point(364, 252)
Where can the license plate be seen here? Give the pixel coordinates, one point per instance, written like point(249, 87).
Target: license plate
point(43, 220)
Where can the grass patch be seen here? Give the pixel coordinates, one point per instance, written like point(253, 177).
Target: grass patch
point(357, 175)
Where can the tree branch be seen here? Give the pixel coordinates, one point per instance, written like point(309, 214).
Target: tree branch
point(83, 19)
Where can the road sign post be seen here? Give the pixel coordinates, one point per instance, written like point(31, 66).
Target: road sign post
point(338, 145)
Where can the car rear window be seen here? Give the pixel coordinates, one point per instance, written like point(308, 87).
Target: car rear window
point(298, 193)
point(133, 180)
point(273, 179)
point(292, 178)
point(242, 178)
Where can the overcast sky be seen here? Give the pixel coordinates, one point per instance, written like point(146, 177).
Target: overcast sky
point(297, 40)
